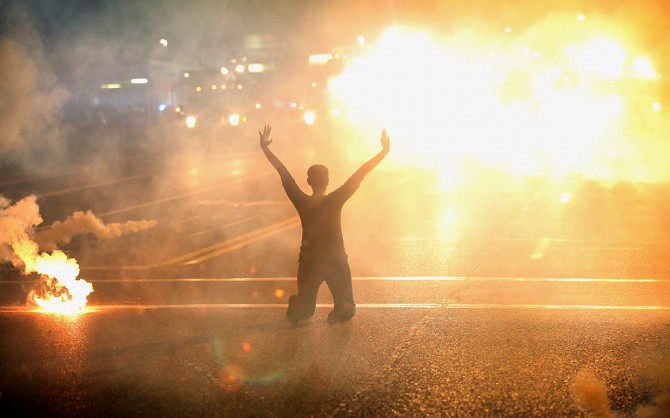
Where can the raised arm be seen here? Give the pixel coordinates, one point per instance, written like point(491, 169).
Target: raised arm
point(372, 163)
point(265, 142)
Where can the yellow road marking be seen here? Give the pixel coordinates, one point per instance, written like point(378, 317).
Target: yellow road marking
point(179, 196)
point(223, 247)
point(90, 186)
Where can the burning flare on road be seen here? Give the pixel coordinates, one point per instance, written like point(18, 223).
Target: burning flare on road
point(60, 290)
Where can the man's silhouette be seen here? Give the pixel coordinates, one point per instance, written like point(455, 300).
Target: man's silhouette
point(322, 256)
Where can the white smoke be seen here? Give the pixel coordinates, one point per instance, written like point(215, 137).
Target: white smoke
point(86, 223)
point(17, 223)
point(30, 98)
point(59, 289)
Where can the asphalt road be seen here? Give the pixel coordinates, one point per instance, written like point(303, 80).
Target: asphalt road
point(502, 296)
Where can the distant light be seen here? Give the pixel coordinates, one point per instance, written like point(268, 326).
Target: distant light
point(293, 105)
point(239, 68)
point(258, 106)
point(245, 59)
point(234, 119)
point(508, 30)
point(279, 293)
point(309, 117)
point(139, 81)
point(164, 42)
point(111, 86)
point(656, 107)
point(320, 59)
point(565, 198)
point(361, 40)
point(336, 112)
point(537, 55)
point(187, 75)
point(162, 107)
point(177, 109)
point(569, 50)
point(223, 86)
point(256, 68)
point(198, 88)
point(213, 86)
point(225, 71)
point(190, 122)
point(581, 17)
point(239, 87)
point(314, 84)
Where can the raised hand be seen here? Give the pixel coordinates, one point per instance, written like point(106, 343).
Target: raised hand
point(385, 140)
point(265, 136)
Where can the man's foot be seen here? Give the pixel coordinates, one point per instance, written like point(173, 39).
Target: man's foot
point(296, 310)
point(341, 313)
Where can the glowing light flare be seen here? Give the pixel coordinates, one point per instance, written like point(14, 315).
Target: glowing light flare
point(656, 107)
point(62, 291)
point(447, 103)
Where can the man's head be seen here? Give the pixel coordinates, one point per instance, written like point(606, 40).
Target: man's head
point(317, 176)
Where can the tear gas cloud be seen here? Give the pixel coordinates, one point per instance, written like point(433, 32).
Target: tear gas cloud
point(38, 253)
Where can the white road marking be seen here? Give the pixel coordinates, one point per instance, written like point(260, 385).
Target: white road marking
point(108, 308)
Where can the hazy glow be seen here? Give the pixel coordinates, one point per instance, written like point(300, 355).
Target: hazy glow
point(111, 86)
point(139, 81)
point(535, 105)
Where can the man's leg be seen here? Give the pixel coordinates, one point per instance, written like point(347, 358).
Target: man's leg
point(340, 285)
point(302, 305)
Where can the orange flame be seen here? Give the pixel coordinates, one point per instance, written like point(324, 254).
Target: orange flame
point(62, 291)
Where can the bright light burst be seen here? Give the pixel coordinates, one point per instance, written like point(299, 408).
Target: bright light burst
point(61, 292)
point(528, 106)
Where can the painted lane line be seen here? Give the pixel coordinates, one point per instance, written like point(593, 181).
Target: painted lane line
point(90, 186)
point(180, 196)
point(372, 279)
point(108, 308)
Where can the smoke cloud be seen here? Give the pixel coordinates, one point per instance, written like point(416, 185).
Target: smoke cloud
point(16, 225)
point(86, 223)
point(31, 99)
point(657, 367)
point(591, 396)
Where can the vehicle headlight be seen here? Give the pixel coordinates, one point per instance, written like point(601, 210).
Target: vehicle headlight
point(190, 121)
point(309, 117)
point(234, 119)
